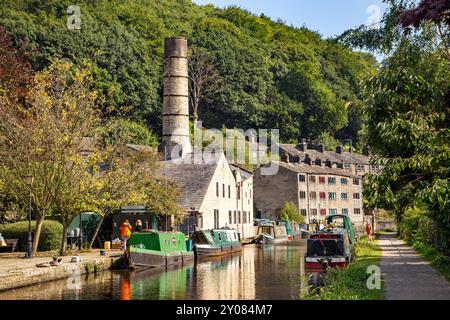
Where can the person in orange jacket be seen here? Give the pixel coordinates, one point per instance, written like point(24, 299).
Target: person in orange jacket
point(125, 232)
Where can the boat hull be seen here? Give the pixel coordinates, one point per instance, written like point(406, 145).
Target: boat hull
point(211, 251)
point(154, 259)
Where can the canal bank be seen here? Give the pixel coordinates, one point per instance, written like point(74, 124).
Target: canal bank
point(17, 272)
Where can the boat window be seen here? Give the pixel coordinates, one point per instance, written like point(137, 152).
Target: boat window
point(174, 242)
point(219, 236)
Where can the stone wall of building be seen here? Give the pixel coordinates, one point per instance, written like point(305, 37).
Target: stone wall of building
point(316, 194)
point(273, 191)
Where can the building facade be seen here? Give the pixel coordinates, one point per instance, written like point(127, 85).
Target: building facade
point(316, 191)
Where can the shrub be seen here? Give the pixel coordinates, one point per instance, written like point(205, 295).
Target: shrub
point(290, 213)
point(50, 238)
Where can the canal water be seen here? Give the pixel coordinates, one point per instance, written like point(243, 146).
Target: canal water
point(271, 272)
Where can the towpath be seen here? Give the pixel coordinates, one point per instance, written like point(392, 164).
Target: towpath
point(406, 275)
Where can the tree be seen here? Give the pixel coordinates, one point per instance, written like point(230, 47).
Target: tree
point(408, 120)
point(123, 176)
point(204, 80)
point(15, 68)
point(289, 212)
point(42, 138)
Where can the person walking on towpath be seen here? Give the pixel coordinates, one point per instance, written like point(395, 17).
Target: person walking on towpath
point(125, 232)
point(369, 231)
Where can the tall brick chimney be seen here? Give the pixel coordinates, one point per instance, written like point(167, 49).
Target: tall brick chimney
point(175, 139)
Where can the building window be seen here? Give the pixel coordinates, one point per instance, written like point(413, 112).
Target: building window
point(347, 167)
point(321, 180)
point(356, 182)
point(344, 196)
point(323, 212)
point(357, 211)
point(304, 212)
point(235, 218)
point(239, 192)
point(360, 168)
point(250, 192)
point(229, 192)
point(313, 195)
point(302, 178)
point(356, 196)
point(323, 196)
point(333, 211)
point(239, 217)
point(332, 196)
point(332, 181)
point(313, 212)
point(344, 181)
point(302, 195)
point(230, 217)
point(312, 179)
point(223, 190)
point(244, 217)
point(217, 189)
point(216, 219)
point(345, 211)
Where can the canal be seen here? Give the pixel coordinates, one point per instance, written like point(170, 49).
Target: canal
point(271, 272)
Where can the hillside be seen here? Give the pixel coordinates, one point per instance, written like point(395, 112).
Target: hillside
point(274, 76)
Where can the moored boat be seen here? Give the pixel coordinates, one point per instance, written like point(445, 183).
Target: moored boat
point(332, 247)
point(158, 249)
point(215, 242)
point(272, 233)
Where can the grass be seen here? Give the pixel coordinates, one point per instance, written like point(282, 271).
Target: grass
point(437, 259)
point(351, 283)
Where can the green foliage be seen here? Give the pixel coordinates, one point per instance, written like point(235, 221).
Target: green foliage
point(135, 133)
point(275, 76)
point(290, 213)
point(50, 238)
point(351, 283)
point(429, 239)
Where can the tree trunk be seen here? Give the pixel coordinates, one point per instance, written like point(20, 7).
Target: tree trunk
point(62, 250)
point(37, 233)
point(97, 229)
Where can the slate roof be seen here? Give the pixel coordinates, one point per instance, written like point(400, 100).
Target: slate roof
point(304, 168)
point(345, 157)
point(192, 180)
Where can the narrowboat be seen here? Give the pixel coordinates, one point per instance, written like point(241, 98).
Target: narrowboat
point(212, 243)
point(158, 249)
point(331, 247)
point(271, 234)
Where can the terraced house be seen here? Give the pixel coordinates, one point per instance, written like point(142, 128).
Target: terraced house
point(317, 191)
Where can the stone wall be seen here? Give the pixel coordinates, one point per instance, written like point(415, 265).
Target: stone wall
point(21, 276)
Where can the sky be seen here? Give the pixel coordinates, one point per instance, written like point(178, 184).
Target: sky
point(328, 17)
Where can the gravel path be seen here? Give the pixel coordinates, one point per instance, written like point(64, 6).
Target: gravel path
point(407, 276)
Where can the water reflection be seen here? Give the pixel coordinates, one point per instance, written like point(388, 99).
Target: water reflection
point(265, 272)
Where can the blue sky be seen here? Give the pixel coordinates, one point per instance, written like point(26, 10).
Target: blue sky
point(328, 17)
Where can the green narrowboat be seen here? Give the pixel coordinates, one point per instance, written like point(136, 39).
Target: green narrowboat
point(212, 243)
point(158, 249)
